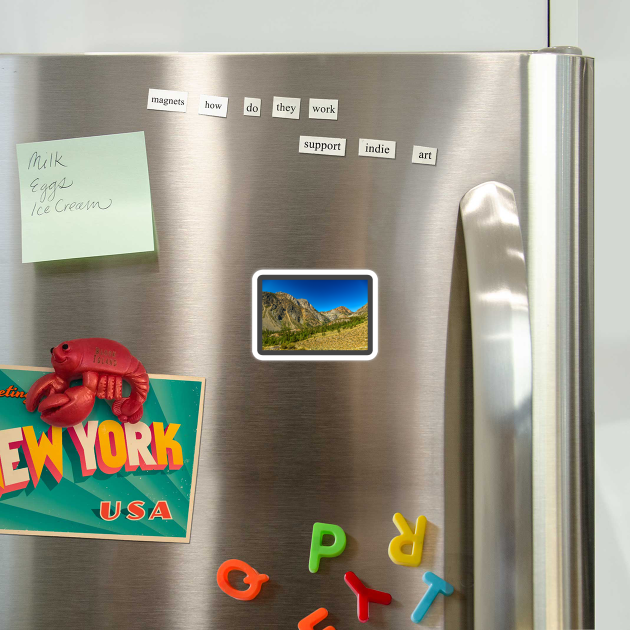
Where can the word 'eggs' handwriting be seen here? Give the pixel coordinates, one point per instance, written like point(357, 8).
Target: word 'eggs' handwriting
point(48, 190)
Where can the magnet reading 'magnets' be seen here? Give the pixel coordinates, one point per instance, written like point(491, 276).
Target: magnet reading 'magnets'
point(103, 364)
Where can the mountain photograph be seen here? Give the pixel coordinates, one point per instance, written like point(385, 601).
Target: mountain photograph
point(329, 315)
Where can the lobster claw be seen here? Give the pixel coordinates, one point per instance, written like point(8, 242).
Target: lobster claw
point(128, 410)
point(43, 386)
point(68, 408)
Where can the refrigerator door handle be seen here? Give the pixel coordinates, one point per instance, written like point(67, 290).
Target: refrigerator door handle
point(502, 373)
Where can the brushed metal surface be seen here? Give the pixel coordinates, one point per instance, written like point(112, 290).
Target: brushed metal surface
point(560, 275)
point(502, 368)
point(284, 444)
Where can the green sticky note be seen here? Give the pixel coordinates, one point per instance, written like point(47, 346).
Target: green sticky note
point(85, 197)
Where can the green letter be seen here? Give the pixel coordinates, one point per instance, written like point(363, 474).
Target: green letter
point(319, 551)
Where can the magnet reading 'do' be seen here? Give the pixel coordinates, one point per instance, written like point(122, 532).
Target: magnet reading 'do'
point(102, 364)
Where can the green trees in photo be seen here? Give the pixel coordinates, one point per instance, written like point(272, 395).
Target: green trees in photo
point(286, 338)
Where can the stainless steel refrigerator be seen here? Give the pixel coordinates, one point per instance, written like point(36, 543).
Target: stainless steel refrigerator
point(477, 409)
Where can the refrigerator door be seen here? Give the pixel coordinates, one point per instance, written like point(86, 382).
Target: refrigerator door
point(288, 444)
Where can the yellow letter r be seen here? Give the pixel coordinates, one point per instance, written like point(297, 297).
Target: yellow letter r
point(407, 537)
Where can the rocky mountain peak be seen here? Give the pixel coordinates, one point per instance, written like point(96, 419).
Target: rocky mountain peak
point(281, 310)
point(287, 296)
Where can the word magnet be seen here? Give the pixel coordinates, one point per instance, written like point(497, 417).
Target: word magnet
point(319, 550)
point(322, 146)
point(285, 107)
point(323, 108)
point(407, 537)
point(167, 100)
point(424, 155)
point(213, 106)
point(251, 106)
point(365, 595)
point(377, 148)
point(252, 577)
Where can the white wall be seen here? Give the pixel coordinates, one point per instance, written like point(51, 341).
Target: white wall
point(270, 25)
point(604, 29)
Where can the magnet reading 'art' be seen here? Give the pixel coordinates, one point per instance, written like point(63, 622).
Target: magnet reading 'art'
point(252, 577)
point(102, 364)
point(407, 537)
point(319, 551)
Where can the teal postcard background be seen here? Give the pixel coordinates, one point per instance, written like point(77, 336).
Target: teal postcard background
point(72, 505)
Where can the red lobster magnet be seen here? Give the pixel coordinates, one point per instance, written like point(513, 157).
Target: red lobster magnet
point(103, 364)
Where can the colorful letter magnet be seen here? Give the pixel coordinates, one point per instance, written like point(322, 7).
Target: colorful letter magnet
point(436, 586)
point(319, 551)
point(365, 596)
point(407, 537)
point(309, 623)
point(252, 577)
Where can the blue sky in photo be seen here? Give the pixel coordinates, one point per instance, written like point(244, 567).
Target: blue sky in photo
point(324, 295)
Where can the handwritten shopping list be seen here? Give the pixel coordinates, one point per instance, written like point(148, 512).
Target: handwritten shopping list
point(85, 197)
